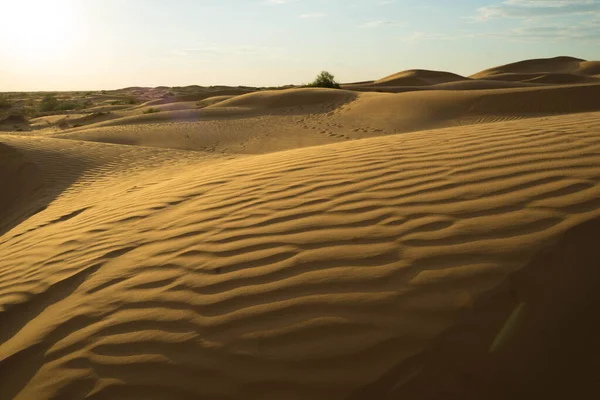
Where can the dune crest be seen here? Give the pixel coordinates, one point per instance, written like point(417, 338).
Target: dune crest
point(419, 77)
point(561, 64)
point(20, 184)
point(425, 235)
point(308, 273)
point(271, 121)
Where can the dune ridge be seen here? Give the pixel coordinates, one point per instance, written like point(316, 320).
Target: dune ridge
point(545, 71)
point(555, 71)
point(561, 64)
point(250, 123)
point(426, 235)
point(419, 77)
point(507, 337)
point(20, 185)
point(288, 274)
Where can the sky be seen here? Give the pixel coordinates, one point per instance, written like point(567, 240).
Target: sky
point(110, 44)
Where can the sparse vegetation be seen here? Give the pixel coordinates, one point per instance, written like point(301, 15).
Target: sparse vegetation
point(324, 80)
point(5, 102)
point(51, 103)
point(68, 105)
point(151, 110)
point(48, 103)
point(129, 101)
point(63, 123)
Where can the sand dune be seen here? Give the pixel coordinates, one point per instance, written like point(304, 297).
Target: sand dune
point(589, 68)
point(550, 71)
point(436, 241)
point(474, 361)
point(314, 273)
point(20, 185)
point(471, 84)
point(556, 78)
point(418, 77)
point(281, 120)
point(199, 96)
point(479, 85)
point(554, 71)
point(270, 100)
point(540, 65)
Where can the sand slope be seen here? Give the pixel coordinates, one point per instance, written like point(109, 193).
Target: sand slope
point(555, 71)
point(418, 77)
point(270, 121)
point(532, 337)
point(20, 185)
point(560, 64)
point(310, 273)
point(545, 71)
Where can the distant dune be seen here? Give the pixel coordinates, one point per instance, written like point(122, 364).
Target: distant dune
point(540, 65)
point(21, 184)
point(551, 71)
point(419, 77)
point(557, 70)
point(199, 96)
point(280, 120)
point(589, 68)
point(434, 242)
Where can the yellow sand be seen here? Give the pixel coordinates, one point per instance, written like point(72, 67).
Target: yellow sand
point(323, 268)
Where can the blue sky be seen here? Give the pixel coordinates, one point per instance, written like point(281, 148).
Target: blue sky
point(104, 44)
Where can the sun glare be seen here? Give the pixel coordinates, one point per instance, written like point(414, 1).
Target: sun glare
point(38, 31)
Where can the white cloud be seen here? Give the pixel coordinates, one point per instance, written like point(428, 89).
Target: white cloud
point(279, 2)
point(379, 23)
point(412, 37)
point(537, 9)
point(218, 50)
point(580, 32)
point(311, 15)
point(532, 21)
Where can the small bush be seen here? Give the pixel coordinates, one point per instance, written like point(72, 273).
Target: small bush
point(63, 123)
point(30, 112)
point(67, 105)
point(151, 110)
point(125, 102)
point(5, 102)
point(48, 103)
point(324, 80)
point(51, 103)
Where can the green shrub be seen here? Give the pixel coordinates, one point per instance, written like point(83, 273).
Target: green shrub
point(67, 105)
point(151, 110)
point(5, 102)
point(30, 112)
point(124, 102)
point(324, 80)
point(51, 103)
point(48, 103)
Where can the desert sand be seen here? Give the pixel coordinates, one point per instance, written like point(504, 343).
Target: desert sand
point(405, 238)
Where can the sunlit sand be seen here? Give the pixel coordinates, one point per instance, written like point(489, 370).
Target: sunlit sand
point(420, 236)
